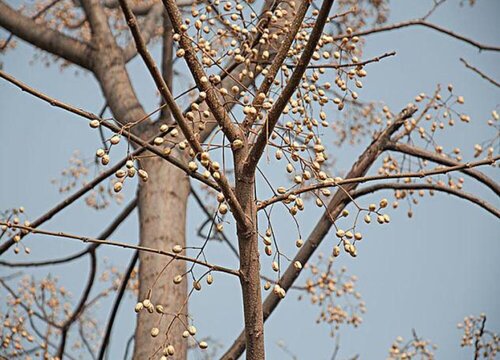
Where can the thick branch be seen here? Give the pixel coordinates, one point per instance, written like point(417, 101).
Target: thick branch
point(45, 38)
point(199, 74)
point(149, 27)
point(176, 111)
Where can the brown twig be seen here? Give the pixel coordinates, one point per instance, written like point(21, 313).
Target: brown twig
point(445, 189)
point(84, 239)
point(363, 179)
point(480, 73)
point(119, 130)
point(436, 158)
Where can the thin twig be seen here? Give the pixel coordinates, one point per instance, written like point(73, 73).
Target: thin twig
point(480, 73)
point(84, 239)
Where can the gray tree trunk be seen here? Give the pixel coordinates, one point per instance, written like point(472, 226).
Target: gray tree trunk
point(162, 218)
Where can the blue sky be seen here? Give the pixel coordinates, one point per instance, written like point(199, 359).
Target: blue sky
point(426, 273)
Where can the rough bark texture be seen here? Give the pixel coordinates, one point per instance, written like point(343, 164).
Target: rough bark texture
point(162, 218)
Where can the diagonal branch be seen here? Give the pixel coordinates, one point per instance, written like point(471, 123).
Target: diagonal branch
point(277, 109)
point(427, 155)
point(199, 75)
point(116, 305)
point(45, 38)
point(480, 73)
point(193, 141)
point(117, 129)
point(424, 23)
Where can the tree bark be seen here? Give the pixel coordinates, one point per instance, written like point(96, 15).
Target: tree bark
point(248, 242)
point(162, 219)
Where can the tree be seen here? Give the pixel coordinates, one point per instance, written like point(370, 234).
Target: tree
point(261, 84)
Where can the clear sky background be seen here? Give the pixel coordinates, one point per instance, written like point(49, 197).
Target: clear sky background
point(426, 273)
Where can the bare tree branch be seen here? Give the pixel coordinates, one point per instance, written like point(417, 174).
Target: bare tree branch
point(116, 305)
point(84, 239)
point(45, 38)
point(104, 235)
point(480, 73)
point(363, 179)
point(274, 114)
point(439, 159)
point(424, 23)
point(445, 189)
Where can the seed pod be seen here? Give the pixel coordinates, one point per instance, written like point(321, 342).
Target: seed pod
point(275, 266)
point(336, 251)
point(158, 141)
point(105, 160)
point(223, 209)
point(155, 332)
point(192, 166)
point(120, 173)
point(115, 139)
point(368, 219)
point(299, 243)
point(177, 249)
point(210, 279)
point(192, 330)
point(143, 175)
point(297, 265)
point(197, 285)
point(268, 250)
point(100, 153)
point(170, 350)
point(237, 144)
point(267, 285)
point(185, 334)
point(94, 124)
point(178, 279)
point(138, 307)
point(203, 345)
point(117, 187)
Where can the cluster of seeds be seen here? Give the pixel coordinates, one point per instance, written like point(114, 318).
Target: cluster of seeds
point(334, 292)
point(412, 349)
point(167, 349)
point(486, 344)
point(16, 216)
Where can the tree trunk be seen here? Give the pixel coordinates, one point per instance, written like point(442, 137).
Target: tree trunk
point(162, 218)
point(248, 242)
